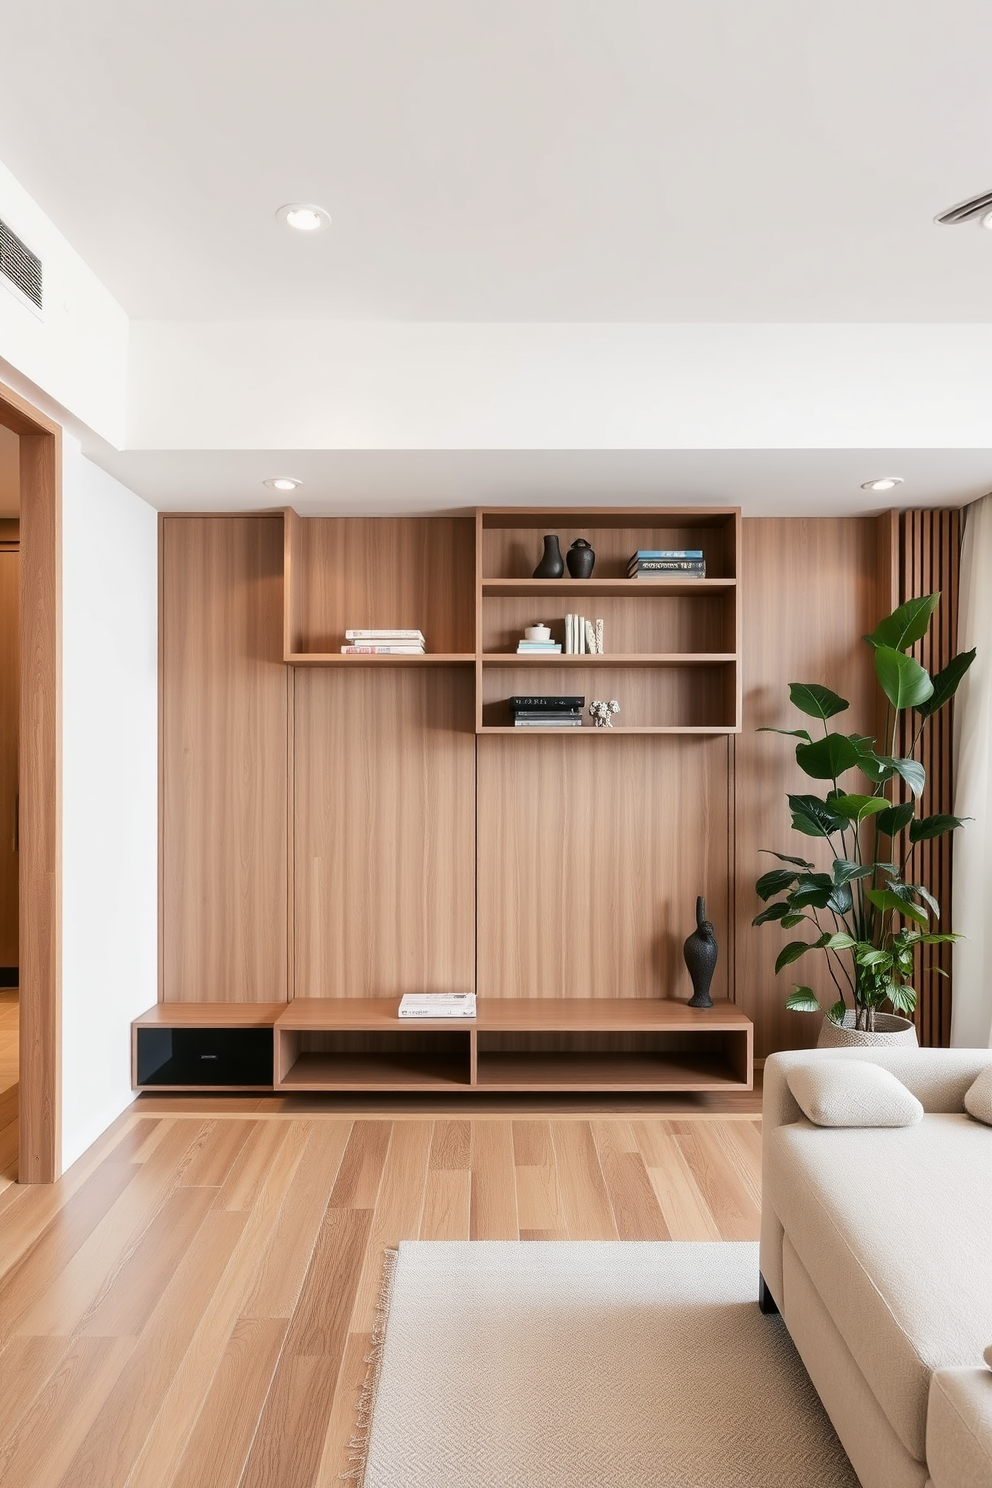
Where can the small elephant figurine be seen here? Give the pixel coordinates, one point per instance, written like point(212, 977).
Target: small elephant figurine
point(601, 713)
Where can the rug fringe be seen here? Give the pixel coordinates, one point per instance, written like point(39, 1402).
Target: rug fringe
point(358, 1443)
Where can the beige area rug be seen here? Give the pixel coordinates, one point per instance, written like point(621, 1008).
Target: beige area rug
point(589, 1365)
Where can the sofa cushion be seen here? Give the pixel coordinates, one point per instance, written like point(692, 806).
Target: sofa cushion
point(844, 1092)
point(894, 1227)
point(978, 1097)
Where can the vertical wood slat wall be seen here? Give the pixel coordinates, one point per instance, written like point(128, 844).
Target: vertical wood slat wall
point(929, 553)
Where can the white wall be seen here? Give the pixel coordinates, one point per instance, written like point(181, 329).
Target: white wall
point(76, 349)
point(314, 385)
point(109, 773)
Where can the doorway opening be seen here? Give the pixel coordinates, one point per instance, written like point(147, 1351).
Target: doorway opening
point(31, 790)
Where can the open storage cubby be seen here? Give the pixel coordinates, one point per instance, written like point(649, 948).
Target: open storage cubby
point(671, 645)
point(407, 573)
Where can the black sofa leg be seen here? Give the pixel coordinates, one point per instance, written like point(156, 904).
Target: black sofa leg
point(766, 1302)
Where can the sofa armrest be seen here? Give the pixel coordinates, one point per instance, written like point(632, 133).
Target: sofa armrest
point(959, 1428)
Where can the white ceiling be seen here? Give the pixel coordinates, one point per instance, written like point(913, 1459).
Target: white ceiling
point(549, 160)
point(569, 162)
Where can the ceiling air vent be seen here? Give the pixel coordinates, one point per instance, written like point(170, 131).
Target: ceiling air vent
point(20, 265)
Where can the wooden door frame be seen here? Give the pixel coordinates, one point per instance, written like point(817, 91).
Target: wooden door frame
point(40, 787)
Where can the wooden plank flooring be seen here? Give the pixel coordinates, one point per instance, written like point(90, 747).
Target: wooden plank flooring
point(192, 1304)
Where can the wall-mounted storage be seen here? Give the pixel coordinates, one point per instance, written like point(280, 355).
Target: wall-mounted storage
point(403, 573)
point(671, 644)
point(345, 1045)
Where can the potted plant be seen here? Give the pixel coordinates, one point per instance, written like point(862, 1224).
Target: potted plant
point(865, 913)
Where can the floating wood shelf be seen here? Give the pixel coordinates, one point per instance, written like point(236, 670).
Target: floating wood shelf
point(515, 1044)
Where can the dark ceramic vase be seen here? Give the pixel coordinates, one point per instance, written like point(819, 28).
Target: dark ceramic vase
point(700, 952)
point(581, 559)
point(551, 565)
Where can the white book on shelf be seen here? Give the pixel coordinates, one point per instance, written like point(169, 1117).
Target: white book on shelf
point(384, 635)
point(437, 1005)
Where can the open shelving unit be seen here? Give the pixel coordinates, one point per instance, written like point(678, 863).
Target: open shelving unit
point(672, 644)
point(515, 1045)
point(333, 838)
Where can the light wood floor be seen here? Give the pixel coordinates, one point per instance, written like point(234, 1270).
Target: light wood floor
point(191, 1305)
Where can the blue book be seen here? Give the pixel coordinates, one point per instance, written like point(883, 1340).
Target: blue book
point(668, 553)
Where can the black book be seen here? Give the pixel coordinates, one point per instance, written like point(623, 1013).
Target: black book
point(558, 704)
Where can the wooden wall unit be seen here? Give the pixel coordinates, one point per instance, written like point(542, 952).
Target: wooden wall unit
point(591, 853)
point(385, 831)
point(810, 592)
point(432, 847)
point(225, 775)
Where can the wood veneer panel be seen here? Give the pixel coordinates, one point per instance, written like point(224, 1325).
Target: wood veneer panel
point(385, 832)
point(810, 592)
point(412, 573)
point(225, 760)
point(40, 835)
point(590, 858)
point(10, 684)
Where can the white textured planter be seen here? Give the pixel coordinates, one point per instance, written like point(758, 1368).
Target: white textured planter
point(889, 1029)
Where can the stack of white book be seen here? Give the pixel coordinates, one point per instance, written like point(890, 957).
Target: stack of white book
point(383, 643)
point(437, 1005)
point(583, 637)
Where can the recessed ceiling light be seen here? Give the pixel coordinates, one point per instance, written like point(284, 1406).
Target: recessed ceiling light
point(976, 208)
point(304, 216)
point(283, 483)
point(884, 483)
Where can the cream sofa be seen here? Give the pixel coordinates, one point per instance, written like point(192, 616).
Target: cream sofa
point(876, 1246)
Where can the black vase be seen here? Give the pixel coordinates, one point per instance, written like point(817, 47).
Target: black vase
point(581, 559)
point(550, 566)
point(700, 951)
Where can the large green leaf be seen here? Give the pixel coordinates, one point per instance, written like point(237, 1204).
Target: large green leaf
point(878, 767)
point(784, 858)
point(776, 911)
point(902, 997)
point(841, 900)
point(789, 733)
point(840, 942)
point(814, 817)
point(905, 683)
point(945, 683)
point(857, 808)
point(813, 889)
point(906, 625)
point(913, 773)
point(935, 826)
point(792, 952)
point(802, 1000)
point(846, 872)
point(816, 701)
point(886, 899)
point(828, 757)
point(775, 882)
point(894, 818)
point(927, 898)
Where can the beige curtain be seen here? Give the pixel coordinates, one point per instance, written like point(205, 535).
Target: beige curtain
point(971, 1016)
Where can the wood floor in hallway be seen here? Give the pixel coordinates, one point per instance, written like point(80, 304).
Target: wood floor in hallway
point(191, 1305)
